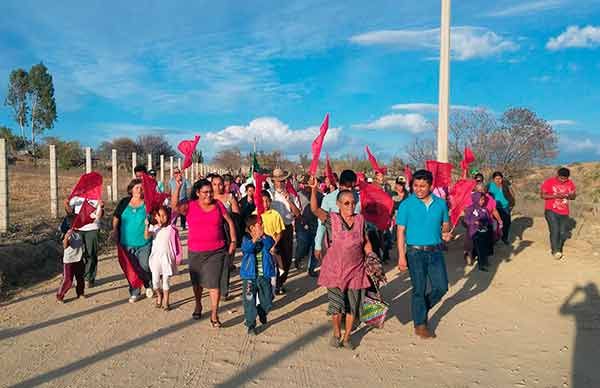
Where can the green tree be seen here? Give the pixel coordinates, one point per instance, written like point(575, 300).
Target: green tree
point(68, 153)
point(16, 97)
point(41, 100)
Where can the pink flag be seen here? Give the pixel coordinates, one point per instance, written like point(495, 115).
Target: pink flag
point(460, 197)
point(84, 216)
point(329, 171)
point(317, 145)
point(374, 164)
point(152, 198)
point(187, 148)
point(89, 186)
point(375, 205)
point(259, 179)
point(468, 158)
point(442, 173)
point(408, 173)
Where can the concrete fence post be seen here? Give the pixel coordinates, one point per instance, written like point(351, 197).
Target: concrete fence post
point(170, 167)
point(115, 172)
point(179, 163)
point(109, 192)
point(53, 183)
point(133, 164)
point(149, 162)
point(162, 168)
point(88, 160)
point(4, 218)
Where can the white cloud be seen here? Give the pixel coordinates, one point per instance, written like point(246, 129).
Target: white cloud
point(466, 42)
point(556, 123)
point(271, 134)
point(574, 36)
point(411, 122)
point(522, 8)
point(431, 108)
point(579, 145)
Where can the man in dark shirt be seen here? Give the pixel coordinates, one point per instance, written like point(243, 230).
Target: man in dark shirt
point(306, 229)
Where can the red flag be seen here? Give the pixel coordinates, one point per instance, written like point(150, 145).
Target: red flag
point(408, 173)
point(317, 145)
point(468, 158)
point(375, 205)
point(84, 216)
point(460, 197)
point(152, 198)
point(360, 177)
point(259, 179)
point(89, 186)
point(374, 164)
point(187, 148)
point(290, 188)
point(442, 173)
point(329, 171)
point(130, 269)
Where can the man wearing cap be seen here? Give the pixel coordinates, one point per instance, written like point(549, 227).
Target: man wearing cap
point(160, 187)
point(288, 208)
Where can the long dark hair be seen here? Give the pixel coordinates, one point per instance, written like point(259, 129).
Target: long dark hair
point(197, 186)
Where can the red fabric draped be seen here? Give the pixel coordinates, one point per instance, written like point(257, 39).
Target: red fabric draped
point(376, 167)
point(84, 216)
point(290, 188)
point(460, 197)
point(442, 173)
point(89, 186)
point(259, 179)
point(317, 145)
point(360, 177)
point(468, 158)
point(130, 269)
point(187, 148)
point(375, 205)
point(329, 171)
point(152, 198)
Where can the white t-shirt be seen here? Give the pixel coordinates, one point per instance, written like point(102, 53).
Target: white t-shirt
point(281, 206)
point(74, 251)
point(77, 203)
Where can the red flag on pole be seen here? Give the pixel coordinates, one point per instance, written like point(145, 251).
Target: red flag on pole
point(290, 188)
point(259, 179)
point(442, 173)
point(317, 145)
point(89, 186)
point(130, 270)
point(460, 197)
point(375, 205)
point(329, 171)
point(374, 164)
point(468, 158)
point(84, 216)
point(408, 174)
point(152, 198)
point(187, 148)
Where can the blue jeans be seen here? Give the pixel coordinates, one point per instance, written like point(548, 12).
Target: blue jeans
point(142, 256)
point(258, 288)
point(305, 247)
point(423, 266)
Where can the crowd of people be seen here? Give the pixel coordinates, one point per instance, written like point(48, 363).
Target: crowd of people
point(323, 218)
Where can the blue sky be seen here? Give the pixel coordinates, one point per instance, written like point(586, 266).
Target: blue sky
point(231, 70)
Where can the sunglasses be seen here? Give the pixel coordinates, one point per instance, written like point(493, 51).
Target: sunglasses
point(348, 203)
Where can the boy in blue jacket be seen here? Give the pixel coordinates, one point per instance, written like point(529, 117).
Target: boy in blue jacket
point(256, 272)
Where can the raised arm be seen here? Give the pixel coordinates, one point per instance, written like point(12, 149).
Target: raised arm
point(314, 202)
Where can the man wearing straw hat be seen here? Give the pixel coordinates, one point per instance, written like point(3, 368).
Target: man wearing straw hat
point(288, 207)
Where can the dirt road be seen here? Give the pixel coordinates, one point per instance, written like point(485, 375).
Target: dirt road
point(511, 327)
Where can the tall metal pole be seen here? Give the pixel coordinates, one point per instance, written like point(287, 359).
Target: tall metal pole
point(53, 183)
point(444, 88)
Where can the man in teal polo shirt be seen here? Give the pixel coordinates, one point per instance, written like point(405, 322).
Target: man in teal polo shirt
point(423, 225)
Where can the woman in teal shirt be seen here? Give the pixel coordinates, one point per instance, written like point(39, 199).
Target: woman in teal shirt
point(129, 222)
point(500, 190)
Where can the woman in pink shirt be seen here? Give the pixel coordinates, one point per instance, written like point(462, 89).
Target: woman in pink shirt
point(206, 242)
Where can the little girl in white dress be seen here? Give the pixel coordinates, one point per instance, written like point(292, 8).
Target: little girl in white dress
point(164, 255)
